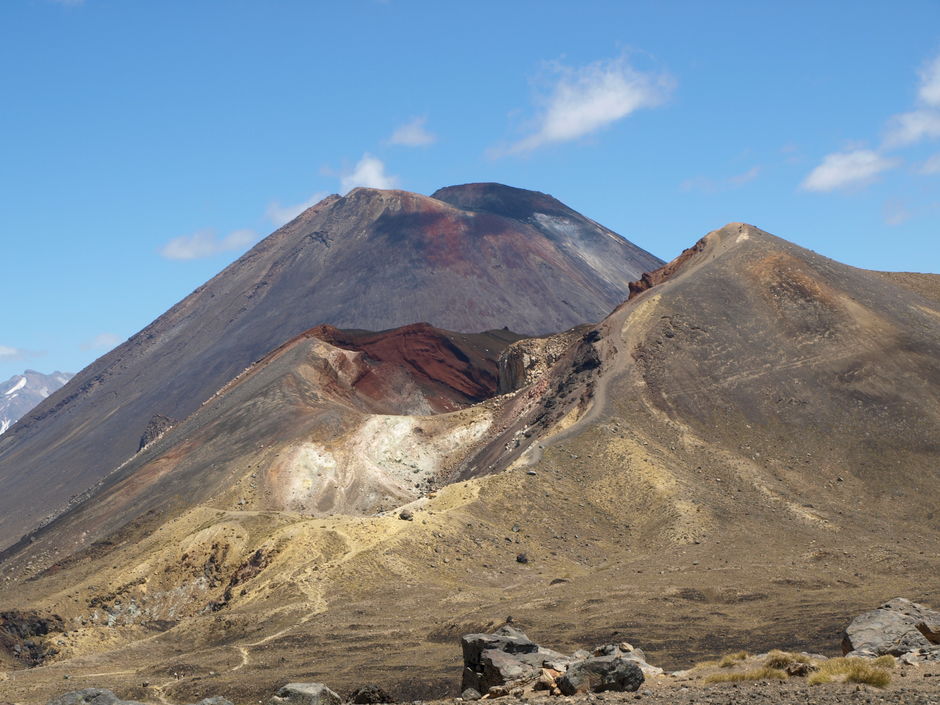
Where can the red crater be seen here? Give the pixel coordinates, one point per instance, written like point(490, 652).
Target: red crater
point(452, 369)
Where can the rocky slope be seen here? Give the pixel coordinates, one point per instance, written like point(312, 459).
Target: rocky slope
point(372, 259)
point(22, 392)
point(743, 455)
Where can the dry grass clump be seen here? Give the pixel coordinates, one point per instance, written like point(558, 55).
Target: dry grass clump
point(729, 660)
point(755, 674)
point(854, 670)
point(782, 659)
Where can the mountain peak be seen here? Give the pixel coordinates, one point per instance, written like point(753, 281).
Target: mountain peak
point(503, 200)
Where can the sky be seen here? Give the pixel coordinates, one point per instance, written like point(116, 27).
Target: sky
point(146, 145)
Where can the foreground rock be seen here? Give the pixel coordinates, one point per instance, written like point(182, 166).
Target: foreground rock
point(507, 662)
point(370, 695)
point(305, 694)
point(898, 628)
point(599, 674)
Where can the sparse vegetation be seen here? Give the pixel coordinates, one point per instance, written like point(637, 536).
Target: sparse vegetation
point(755, 674)
point(729, 660)
point(854, 670)
point(782, 659)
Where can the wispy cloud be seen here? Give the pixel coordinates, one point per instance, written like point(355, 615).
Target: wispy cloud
point(923, 122)
point(847, 169)
point(709, 185)
point(413, 134)
point(931, 166)
point(279, 215)
point(896, 212)
point(9, 353)
point(908, 128)
point(929, 93)
point(102, 341)
point(370, 172)
point(205, 243)
point(588, 98)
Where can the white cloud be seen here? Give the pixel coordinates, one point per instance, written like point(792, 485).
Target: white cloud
point(205, 243)
point(279, 215)
point(369, 172)
point(908, 128)
point(413, 134)
point(586, 99)
point(102, 341)
point(929, 93)
point(844, 169)
point(931, 166)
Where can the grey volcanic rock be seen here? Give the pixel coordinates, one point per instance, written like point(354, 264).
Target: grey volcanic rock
point(897, 628)
point(372, 260)
point(305, 694)
point(22, 392)
point(497, 659)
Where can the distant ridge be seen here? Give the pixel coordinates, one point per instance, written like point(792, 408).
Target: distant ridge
point(22, 392)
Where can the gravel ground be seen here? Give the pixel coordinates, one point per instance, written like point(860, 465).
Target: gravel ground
point(751, 694)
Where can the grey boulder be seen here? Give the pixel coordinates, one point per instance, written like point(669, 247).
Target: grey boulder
point(505, 657)
point(305, 694)
point(896, 628)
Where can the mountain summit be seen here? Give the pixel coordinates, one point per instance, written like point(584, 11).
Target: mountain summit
point(476, 257)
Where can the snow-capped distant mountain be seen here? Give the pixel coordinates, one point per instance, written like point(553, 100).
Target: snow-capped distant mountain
point(22, 392)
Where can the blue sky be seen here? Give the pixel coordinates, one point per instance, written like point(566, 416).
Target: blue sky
point(145, 145)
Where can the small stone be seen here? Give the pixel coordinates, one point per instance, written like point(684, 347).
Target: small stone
point(406, 515)
point(522, 558)
point(470, 694)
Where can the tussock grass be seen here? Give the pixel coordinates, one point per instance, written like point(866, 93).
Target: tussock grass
point(704, 664)
point(729, 660)
point(854, 670)
point(782, 659)
point(755, 674)
point(886, 661)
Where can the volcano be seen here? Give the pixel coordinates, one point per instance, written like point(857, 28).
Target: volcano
point(470, 258)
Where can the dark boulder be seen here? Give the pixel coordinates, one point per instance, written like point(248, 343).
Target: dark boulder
point(601, 673)
point(370, 695)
